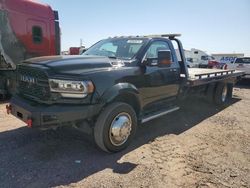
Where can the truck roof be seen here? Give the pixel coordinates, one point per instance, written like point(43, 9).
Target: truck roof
point(31, 7)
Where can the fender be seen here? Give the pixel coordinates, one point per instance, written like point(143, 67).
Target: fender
point(119, 89)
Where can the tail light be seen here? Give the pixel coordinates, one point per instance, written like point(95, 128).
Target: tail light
point(8, 109)
point(29, 123)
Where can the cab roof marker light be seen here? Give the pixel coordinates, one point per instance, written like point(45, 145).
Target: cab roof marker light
point(164, 35)
point(171, 35)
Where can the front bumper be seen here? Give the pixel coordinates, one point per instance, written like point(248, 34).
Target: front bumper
point(48, 116)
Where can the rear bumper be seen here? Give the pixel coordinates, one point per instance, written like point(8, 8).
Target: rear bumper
point(48, 116)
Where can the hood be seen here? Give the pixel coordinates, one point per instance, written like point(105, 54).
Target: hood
point(77, 64)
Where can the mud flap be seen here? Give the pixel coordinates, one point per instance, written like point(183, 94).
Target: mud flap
point(2, 87)
point(210, 92)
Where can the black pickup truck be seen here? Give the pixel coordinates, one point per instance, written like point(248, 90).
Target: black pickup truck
point(112, 87)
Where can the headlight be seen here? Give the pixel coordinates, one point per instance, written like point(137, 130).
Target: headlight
point(71, 89)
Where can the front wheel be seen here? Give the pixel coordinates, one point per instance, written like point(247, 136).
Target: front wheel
point(115, 127)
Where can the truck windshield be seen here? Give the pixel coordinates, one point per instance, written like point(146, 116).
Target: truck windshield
point(117, 48)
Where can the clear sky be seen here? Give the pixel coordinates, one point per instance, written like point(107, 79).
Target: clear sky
point(215, 26)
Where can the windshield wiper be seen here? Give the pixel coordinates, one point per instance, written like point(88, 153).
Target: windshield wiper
point(112, 57)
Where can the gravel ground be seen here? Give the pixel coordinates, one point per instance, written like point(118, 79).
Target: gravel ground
point(198, 146)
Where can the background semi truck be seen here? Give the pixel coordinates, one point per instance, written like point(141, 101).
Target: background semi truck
point(27, 29)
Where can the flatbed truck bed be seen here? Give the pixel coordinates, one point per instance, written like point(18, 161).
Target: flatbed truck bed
point(199, 76)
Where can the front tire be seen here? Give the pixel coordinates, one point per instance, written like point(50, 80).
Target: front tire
point(115, 127)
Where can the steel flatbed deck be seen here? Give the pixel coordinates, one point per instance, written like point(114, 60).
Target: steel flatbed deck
point(198, 76)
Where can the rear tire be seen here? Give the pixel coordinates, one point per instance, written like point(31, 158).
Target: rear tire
point(115, 127)
point(223, 93)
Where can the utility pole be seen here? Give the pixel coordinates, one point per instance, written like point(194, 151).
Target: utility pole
point(80, 42)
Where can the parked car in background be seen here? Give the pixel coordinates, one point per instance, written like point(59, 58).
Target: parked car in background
point(243, 64)
point(216, 65)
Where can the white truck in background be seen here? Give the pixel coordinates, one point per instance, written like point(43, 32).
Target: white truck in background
point(241, 64)
point(199, 59)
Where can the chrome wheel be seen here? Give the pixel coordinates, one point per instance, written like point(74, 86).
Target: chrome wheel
point(120, 129)
point(224, 94)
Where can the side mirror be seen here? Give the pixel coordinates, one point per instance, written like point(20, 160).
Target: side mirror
point(164, 57)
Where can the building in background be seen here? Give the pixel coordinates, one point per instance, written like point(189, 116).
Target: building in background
point(227, 57)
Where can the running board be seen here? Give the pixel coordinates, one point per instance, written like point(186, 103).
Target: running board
point(144, 120)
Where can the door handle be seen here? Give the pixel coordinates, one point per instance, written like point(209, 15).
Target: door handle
point(173, 70)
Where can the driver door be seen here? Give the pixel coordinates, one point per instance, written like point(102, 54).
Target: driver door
point(160, 82)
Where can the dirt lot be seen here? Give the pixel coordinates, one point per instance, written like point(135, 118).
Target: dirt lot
point(198, 146)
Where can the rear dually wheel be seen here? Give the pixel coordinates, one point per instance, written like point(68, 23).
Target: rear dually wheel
point(223, 93)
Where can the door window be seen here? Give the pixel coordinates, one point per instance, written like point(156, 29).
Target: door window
point(39, 38)
point(153, 50)
point(204, 57)
point(37, 34)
